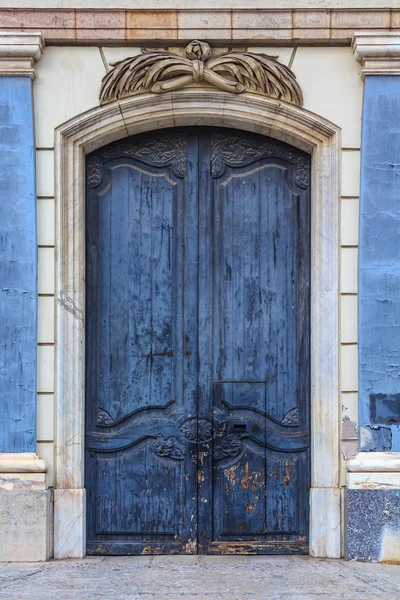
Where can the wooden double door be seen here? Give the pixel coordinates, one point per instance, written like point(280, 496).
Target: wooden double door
point(197, 344)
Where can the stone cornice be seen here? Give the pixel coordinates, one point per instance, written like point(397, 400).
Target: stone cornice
point(253, 26)
point(375, 462)
point(22, 462)
point(19, 51)
point(378, 52)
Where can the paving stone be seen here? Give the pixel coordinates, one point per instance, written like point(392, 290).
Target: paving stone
point(199, 578)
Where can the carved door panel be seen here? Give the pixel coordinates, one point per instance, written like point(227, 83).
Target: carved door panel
point(255, 298)
point(197, 344)
point(141, 389)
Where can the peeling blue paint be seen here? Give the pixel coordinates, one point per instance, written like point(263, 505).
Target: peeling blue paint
point(375, 439)
point(379, 254)
point(385, 408)
point(18, 267)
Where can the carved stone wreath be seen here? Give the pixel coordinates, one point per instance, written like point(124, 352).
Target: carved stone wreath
point(234, 72)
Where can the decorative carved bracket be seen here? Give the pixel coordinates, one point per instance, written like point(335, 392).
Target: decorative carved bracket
point(234, 72)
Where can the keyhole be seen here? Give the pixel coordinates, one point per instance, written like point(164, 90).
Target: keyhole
point(239, 427)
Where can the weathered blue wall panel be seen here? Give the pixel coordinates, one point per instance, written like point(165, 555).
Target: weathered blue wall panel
point(18, 267)
point(379, 267)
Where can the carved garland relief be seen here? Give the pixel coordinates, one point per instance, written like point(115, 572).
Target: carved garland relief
point(170, 150)
point(234, 72)
point(197, 431)
point(234, 150)
point(160, 151)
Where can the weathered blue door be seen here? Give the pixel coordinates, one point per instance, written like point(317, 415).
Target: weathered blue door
point(198, 344)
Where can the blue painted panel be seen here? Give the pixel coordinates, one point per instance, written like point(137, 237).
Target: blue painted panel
point(18, 267)
point(379, 267)
point(197, 344)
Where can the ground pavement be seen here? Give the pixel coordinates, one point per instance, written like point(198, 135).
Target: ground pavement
point(198, 578)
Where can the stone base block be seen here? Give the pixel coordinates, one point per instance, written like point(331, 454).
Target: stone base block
point(372, 525)
point(69, 523)
point(325, 522)
point(25, 525)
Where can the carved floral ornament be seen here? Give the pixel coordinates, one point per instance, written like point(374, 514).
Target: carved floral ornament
point(234, 72)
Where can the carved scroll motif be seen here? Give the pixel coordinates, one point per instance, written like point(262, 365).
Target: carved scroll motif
point(197, 430)
point(234, 72)
point(291, 417)
point(104, 419)
point(234, 151)
point(229, 446)
point(169, 447)
point(159, 151)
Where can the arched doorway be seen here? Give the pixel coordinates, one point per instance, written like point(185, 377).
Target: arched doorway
point(198, 344)
point(250, 112)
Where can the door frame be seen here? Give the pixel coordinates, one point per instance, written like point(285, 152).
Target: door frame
point(196, 106)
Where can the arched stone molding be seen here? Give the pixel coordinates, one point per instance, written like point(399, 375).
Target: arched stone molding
point(197, 106)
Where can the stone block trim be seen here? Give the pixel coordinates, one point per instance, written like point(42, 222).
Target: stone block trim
point(25, 525)
point(371, 525)
point(303, 26)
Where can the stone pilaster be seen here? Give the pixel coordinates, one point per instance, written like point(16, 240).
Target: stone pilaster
point(378, 53)
point(372, 527)
point(24, 498)
point(19, 52)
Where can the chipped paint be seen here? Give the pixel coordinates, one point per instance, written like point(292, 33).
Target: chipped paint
point(390, 546)
point(191, 547)
point(349, 449)
point(375, 439)
point(230, 474)
point(385, 408)
point(202, 456)
point(246, 478)
point(349, 428)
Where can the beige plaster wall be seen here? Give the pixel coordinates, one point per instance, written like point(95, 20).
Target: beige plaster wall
point(67, 84)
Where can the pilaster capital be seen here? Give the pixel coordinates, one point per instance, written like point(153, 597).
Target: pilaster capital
point(375, 462)
point(378, 53)
point(19, 51)
point(22, 462)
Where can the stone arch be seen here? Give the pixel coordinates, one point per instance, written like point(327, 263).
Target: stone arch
point(196, 106)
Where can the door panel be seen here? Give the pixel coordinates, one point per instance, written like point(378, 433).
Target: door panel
point(135, 337)
point(198, 285)
point(257, 479)
point(141, 364)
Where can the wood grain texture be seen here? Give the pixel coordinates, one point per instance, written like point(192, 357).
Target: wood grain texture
point(198, 383)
